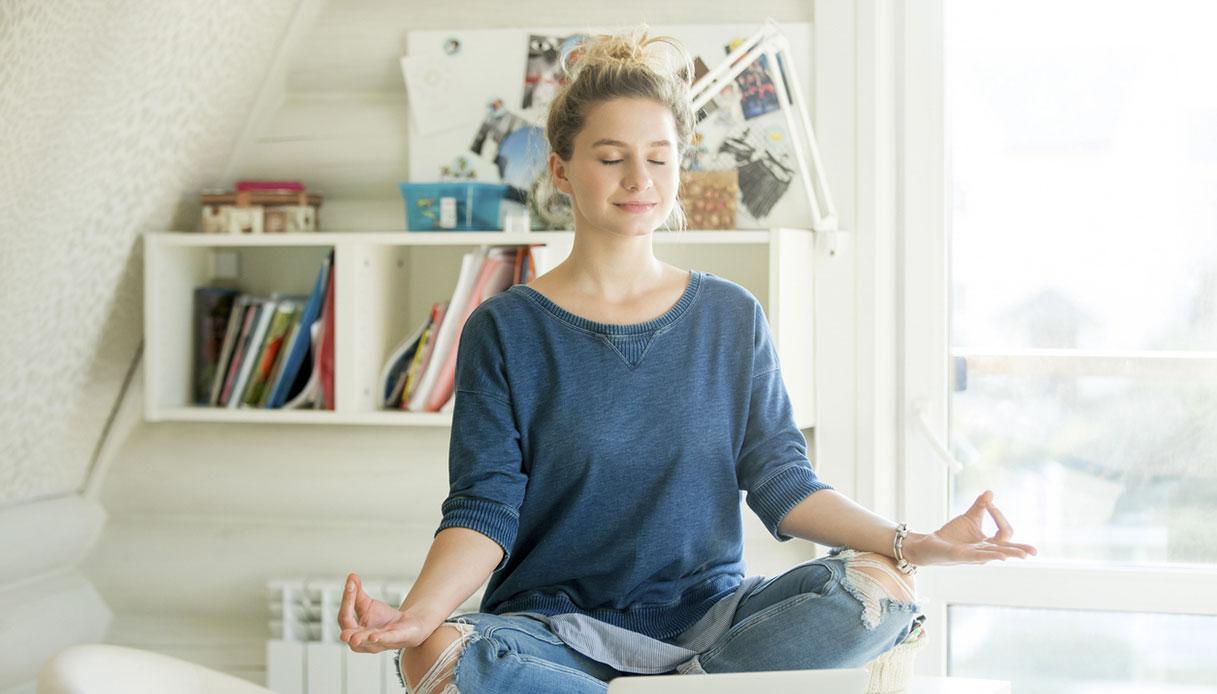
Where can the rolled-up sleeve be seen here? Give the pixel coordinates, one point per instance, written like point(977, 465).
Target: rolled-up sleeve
point(486, 475)
point(772, 467)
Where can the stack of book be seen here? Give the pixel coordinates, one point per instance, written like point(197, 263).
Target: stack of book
point(265, 352)
point(418, 375)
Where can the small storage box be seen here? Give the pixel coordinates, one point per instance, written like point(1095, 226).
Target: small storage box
point(454, 206)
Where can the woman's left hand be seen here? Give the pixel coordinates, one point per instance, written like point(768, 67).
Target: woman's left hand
point(962, 540)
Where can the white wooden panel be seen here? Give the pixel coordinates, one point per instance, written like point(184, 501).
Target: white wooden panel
point(345, 146)
point(355, 44)
point(231, 644)
point(46, 536)
point(792, 316)
point(44, 616)
point(208, 566)
point(835, 312)
point(310, 473)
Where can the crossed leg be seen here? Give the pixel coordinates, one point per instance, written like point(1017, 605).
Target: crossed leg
point(432, 664)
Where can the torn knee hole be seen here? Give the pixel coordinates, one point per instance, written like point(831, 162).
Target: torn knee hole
point(872, 578)
point(440, 675)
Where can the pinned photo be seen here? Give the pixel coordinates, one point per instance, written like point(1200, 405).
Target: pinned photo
point(765, 169)
point(498, 123)
point(758, 95)
point(543, 74)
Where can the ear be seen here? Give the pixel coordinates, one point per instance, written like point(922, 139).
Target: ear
point(557, 171)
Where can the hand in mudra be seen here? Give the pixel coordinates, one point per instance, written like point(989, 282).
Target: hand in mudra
point(372, 626)
point(963, 541)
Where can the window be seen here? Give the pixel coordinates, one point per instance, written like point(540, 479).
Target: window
point(1080, 305)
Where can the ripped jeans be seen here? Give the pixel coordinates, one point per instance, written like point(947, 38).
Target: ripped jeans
point(823, 613)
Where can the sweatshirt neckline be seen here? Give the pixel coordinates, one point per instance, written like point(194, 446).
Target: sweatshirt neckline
point(670, 316)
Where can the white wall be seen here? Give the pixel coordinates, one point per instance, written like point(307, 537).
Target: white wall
point(111, 114)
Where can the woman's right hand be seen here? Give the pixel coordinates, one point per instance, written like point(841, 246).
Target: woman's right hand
point(372, 626)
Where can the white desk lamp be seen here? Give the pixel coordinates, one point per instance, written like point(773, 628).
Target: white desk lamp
point(769, 41)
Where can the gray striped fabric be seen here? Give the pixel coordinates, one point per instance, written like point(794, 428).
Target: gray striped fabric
point(629, 651)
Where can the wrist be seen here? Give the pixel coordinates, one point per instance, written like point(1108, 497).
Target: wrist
point(912, 547)
point(428, 619)
point(899, 550)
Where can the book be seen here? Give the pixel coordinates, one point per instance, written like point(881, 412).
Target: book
point(234, 364)
point(471, 264)
point(266, 312)
point(305, 392)
point(284, 313)
point(325, 349)
point(281, 359)
point(236, 317)
point(301, 342)
point(425, 344)
point(212, 312)
point(393, 374)
point(494, 277)
point(439, 313)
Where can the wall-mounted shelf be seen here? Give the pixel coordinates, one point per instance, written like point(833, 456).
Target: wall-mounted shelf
point(385, 283)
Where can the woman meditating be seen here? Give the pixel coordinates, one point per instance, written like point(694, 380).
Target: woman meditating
point(607, 418)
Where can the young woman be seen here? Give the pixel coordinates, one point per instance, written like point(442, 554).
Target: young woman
point(608, 416)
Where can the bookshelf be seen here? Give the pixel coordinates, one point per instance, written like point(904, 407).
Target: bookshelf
point(385, 283)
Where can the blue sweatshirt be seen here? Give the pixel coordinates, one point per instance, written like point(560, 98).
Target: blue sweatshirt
point(609, 460)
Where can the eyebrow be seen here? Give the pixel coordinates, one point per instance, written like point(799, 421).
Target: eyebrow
point(619, 143)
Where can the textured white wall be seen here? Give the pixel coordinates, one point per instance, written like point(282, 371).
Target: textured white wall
point(112, 114)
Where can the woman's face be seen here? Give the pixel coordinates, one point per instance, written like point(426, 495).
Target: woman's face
point(624, 171)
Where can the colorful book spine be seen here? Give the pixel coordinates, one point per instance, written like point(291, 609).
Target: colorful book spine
point(299, 346)
point(236, 319)
point(234, 365)
point(325, 352)
point(250, 358)
point(279, 325)
point(494, 278)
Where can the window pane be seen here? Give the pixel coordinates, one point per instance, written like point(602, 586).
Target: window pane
point(1083, 268)
point(1083, 652)
point(1092, 468)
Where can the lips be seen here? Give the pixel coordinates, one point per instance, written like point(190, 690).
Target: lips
point(635, 206)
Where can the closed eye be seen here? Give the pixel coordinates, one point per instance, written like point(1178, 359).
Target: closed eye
point(610, 162)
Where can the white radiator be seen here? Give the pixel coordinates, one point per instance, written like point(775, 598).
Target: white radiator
point(304, 655)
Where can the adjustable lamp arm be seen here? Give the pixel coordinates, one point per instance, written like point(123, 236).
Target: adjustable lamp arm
point(770, 42)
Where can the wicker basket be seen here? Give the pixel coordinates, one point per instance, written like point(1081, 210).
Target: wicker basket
point(892, 672)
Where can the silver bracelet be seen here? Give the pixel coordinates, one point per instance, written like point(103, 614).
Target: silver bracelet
point(903, 564)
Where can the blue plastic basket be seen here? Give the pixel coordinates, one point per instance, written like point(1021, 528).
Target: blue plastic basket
point(454, 206)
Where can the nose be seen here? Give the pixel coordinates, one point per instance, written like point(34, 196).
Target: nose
point(636, 177)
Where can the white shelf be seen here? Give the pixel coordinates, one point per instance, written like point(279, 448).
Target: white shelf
point(386, 282)
point(440, 238)
point(263, 416)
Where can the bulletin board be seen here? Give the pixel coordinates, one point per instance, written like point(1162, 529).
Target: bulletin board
point(470, 108)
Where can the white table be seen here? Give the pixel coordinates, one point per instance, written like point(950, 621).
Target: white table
point(924, 684)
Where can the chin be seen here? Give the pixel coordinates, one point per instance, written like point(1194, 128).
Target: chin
point(639, 228)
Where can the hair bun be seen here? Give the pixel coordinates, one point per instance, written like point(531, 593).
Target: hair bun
point(632, 49)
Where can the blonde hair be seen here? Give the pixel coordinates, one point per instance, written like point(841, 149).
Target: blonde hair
point(625, 65)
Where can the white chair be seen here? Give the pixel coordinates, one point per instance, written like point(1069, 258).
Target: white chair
point(105, 669)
